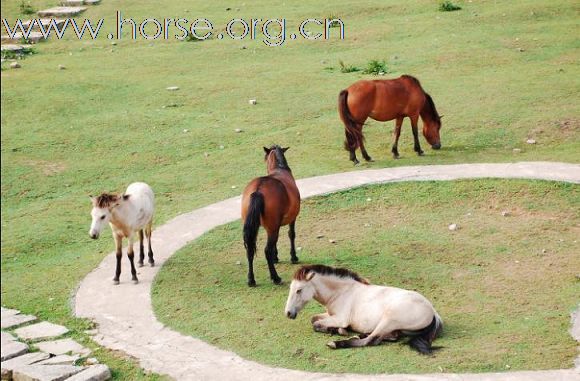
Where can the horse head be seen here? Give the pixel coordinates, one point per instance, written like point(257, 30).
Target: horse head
point(103, 206)
point(301, 292)
point(275, 158)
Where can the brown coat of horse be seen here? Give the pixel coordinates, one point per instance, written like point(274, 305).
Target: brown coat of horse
point(384, 100)
point(270, 201)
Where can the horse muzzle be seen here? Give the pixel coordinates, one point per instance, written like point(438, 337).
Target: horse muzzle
point(94, 235)
point(291, 314)
point(436, 146)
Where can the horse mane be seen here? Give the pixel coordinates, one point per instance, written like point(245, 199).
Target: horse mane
point(280, 159)
point(429, 109)
point(105, 200)
point(302, 272)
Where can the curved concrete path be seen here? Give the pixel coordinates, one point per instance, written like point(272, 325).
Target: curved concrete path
point(125, 317)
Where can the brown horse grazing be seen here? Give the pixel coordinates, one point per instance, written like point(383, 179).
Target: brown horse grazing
point(270, 201)
point(385, 100)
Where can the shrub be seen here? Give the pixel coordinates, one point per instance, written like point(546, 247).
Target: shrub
point(344, 68)
point(376, 67)
point(26, 8)
point(448, 6)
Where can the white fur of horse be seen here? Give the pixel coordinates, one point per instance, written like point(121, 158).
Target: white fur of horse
point(384, 313)
point(126, 214)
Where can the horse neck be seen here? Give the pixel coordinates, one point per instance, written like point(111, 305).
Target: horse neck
point(121, 215)
point(330, 289)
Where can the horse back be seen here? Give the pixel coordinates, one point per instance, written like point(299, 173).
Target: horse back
point(279, 202)
point(142, 198)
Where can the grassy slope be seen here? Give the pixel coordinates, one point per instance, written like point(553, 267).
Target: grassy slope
point(101, 124)
point(505, 301)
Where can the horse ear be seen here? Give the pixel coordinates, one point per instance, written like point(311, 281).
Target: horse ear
point(267, 150)
point(310, 275)
point(285, 149)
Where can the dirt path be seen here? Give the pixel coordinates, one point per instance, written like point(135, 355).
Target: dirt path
point(126, 321)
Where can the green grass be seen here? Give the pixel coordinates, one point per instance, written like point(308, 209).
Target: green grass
point(504, 285)
point(104, 122)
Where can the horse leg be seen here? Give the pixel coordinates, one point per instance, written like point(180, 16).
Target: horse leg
point(150, 253)
point(329, 324)
point(292, 236)
point(417, 148)
point(271, 253)
point(385, 330)
point(251, 279)
point(396, 134)
point(119, 253)
point(131, 255)
point(141, 248)
point(353, 157)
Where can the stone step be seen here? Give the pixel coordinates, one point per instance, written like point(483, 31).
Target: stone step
point(26, 359)
point(62, 12)
point(97, 372)
point(12, 349)
point(76, 3)
point(15, 320)
point(62, 346)
point(41, 331)
point(33, 37)
point(61, 360)
point(5, 338)
point(36, 372)
point(6, 312)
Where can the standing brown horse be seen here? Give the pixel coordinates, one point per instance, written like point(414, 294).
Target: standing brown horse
point(385, 100)
point(270, 201)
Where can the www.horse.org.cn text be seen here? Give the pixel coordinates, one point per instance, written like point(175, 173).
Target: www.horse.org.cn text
point(272, 32)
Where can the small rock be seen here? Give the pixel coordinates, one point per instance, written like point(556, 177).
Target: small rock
point(205, 154)
point(320, 236)
point(243, 47)
point(234, 187)
point(505, 213)
point(517, 150)
point(369, 199)
point(238, 263)
point(238, 130)
point(15, 65)
point(517, 262)
point(332, 241)
point(544, 251)
point(222, 147)
point(298, 133)
point(172, 88)
point(228, 9)
point(252, 101)
point(453, 227)
point(91, 332)
point(531, 141)
point(299, 248)
point(61, 67)
point(185, 130)
point(91, 361)
point(577, 276)
point(521, 49)
point(113, 43)
point(367, 225)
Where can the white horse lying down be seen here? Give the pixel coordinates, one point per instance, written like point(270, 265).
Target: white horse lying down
point(127, 214)
point(377, 312)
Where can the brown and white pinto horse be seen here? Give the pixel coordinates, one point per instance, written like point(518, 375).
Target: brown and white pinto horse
point(379, 313)
point(270, 201)
point(385, 100)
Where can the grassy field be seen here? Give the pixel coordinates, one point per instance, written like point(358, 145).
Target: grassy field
point(107, 119)
point(504, 285)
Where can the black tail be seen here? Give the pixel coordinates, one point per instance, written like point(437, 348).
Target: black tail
point(252, 223)
point(354, 135)
point(422, 339)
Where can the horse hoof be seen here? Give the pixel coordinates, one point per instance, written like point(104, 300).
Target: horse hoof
point(115, 281)
point(420, 153)
point(370, 159)
point(277, 281)
point(135, 281)
point(140, 264)
point(295, 260)
point(152, 264)
point(356, 163)
point(252, 283)
point(331, 344)
point(276, 260)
